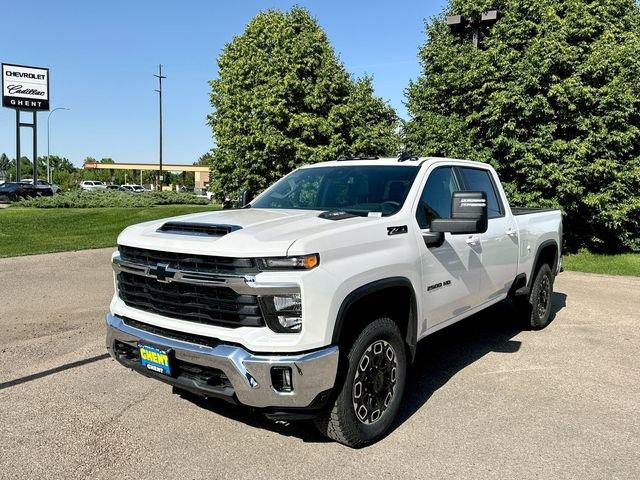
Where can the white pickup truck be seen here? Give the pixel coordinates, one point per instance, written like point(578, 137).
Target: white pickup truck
point(308, 302)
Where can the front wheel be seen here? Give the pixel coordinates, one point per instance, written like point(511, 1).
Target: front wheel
point(371, 394)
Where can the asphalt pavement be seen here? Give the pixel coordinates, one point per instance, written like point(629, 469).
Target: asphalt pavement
point(484, 400)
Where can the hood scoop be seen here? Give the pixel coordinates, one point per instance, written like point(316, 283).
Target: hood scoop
point(198, 229)
point(336, 215)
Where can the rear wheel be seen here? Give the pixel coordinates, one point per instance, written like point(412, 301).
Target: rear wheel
point(370, 396)
point(538, 308)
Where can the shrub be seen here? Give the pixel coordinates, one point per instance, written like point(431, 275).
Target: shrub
point(551, 99)
point(97, 199)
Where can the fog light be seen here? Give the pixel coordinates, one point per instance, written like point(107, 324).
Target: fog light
point(290, 323)
point(283, 312)
point(281, 379)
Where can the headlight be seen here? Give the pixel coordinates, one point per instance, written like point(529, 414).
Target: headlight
point(283, 313)
point(303, 262)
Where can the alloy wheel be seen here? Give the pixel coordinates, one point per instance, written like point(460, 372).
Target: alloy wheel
point(374, 384)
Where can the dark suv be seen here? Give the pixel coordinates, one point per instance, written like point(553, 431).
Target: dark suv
point(14, 191)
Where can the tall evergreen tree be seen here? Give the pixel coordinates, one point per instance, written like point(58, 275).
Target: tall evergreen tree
point(551, 99)
point(282, 99)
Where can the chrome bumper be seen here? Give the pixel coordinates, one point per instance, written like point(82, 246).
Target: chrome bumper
point(249, 374)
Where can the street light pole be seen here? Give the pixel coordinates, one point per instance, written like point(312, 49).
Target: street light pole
point(458, 24)
point(48, 117)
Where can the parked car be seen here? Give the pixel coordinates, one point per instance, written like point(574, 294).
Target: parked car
point(309, 301)
point(132, 188)
point(113, 187)
point(14, 191)
point(44, 185)
point(88, 185)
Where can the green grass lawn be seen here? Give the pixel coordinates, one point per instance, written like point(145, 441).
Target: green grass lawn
point(25, 231)
point(622, 264)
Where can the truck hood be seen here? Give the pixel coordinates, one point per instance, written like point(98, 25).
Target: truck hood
point(262, 232)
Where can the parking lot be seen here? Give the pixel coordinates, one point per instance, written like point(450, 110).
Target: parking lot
point(484, 400)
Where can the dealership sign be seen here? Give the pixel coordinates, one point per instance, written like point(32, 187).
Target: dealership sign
point(25, 88)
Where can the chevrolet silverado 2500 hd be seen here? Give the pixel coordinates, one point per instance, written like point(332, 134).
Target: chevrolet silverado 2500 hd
point(309, 300)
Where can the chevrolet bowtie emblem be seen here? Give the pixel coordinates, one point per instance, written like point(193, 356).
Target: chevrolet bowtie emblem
point(162, 272)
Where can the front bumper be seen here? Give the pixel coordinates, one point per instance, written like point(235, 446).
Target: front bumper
point(249, 375)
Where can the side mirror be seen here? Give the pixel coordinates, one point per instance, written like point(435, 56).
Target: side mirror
point(468, 214)
point(244, 198)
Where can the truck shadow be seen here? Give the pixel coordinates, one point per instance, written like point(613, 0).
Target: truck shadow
point(445, 353)
point(438, 358)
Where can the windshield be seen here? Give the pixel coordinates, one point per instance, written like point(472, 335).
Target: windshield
point(360, 190)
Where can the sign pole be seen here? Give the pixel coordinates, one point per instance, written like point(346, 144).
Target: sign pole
point(18, 162)
point(35, 150)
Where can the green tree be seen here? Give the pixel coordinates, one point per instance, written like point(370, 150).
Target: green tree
point(282, 99)
point(26, 169)
point(551, 99)
point(57, 163)
point(204, 160)
point(5, 163)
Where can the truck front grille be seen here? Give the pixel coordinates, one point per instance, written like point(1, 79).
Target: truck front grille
point(185, 261)
point(206, 304)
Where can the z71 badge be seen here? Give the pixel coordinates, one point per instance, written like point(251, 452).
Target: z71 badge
point(397, 230)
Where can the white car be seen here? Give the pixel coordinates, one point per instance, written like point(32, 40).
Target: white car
point(132, 188)
point(310, 300)
point(88, 185)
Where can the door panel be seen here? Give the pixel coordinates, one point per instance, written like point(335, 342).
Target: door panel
point(499, 257)
point(449, 278)
point(499, 242)
point(449, 271)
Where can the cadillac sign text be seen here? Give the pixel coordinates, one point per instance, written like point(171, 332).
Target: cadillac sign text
point(25, 88)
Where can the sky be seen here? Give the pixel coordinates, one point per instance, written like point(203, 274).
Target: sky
point(102, 57)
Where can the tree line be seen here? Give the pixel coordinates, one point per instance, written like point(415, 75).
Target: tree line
point(68, 177)
point(550, 98)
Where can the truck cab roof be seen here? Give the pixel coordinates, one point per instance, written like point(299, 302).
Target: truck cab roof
point(389, 161)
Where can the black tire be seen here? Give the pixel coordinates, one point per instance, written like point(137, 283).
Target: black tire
point(342, 423)
point(13, 197)
point(538, 306)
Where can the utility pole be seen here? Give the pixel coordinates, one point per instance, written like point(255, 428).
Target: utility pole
point(159, 76)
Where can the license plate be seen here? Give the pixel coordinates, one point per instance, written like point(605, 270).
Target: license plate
point(155, 359)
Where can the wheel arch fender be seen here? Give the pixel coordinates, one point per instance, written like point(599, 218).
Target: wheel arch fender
point(377, 287)
point(541, 254)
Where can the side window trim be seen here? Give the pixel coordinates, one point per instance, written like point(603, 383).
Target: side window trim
point(457, 169)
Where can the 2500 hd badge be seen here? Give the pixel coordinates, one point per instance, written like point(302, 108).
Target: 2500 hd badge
point(438, 285)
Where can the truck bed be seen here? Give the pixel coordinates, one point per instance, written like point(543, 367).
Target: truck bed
point(528, 211)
